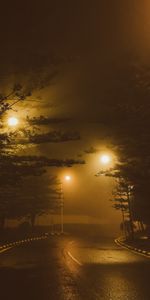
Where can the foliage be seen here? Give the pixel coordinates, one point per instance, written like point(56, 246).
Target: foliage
point(127, 129)
point(8, 101)
point(24, 191)
point(122, 200)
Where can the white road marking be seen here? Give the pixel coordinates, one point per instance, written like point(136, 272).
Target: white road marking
point(74, 259)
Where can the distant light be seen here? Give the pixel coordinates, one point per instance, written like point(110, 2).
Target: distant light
point(67, 178)
point(144, 238)
point(105, 159)
point(13, 121)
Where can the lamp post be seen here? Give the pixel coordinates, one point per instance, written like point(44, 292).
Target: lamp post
point(105, 159)
point(12, 121)
point(62, 207)
point(66, 178)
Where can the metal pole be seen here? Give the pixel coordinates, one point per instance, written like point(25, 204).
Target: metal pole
point(130, 215)
point(52, 222)
point(62, 209)
point(124, 226)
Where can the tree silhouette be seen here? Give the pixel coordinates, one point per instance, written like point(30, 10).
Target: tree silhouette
point(17, 171)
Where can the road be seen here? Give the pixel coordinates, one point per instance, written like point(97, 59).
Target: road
point(73, 268)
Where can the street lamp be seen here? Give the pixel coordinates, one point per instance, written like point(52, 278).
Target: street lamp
point(105, 159)
point(67, 178)
point(62, 207)
point(12, 121)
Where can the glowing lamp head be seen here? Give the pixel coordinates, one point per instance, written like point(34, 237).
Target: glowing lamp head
point(13, 121)
point(67, 178)
point(105, 159)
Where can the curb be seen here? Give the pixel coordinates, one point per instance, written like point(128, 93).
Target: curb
point(120, 241)
point(17, 243)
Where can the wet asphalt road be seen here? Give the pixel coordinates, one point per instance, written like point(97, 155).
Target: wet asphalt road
point(73, 268)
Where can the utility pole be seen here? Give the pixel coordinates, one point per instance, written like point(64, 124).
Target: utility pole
point(130, 214)
point(62, 208)
point(123, 220)
point(67, 178)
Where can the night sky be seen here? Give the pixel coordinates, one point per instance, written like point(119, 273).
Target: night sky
point(86, 50)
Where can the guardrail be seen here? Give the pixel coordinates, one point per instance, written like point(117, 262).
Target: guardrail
point(121, 242)
point(23, 241)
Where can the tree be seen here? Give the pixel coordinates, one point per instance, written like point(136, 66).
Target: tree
point(16, 95)
point(37, 196)
point(127, 130)
point(15, 167)
point(122, 200)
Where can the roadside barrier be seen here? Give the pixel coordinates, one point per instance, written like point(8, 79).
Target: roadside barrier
point(121, 242)
point(16, 243)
